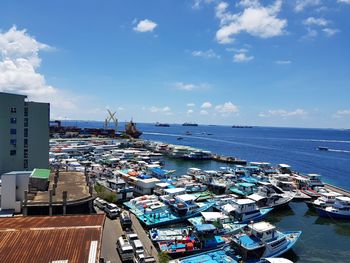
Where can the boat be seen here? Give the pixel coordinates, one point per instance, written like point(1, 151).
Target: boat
point(131, 130)
point(242, 126)
point(167, 234)
point(198, 155)
point(158, 124)
point(326, 199)
point(339, 210)
point(188, 133)
point(271, 196)
point(245, 210)
point(191, 124)
point(321, 148)
point(224, 254)
point(263, 240)
point(179, 152)
point(204, 238)
point(243, 189)
point(179, 138)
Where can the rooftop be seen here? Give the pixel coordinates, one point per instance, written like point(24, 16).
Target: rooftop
point(41, 173)
point(47, 239)
point(262, 226)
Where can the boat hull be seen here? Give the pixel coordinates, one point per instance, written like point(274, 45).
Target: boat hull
point(324, 213)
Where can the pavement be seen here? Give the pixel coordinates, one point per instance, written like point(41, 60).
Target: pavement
point(112, 230)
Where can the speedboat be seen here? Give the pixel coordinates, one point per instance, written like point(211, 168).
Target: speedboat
point(263, 240)
point(340, 209)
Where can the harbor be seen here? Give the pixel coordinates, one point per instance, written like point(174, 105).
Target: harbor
point(149, 169)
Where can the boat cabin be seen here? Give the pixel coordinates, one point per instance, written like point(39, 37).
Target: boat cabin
point(314, 180)
point(263, 230)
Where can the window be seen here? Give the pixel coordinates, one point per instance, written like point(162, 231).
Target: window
point(13, 131)
point(25, 122)
point(25, 153)
point(13, 120)
point(25, 164)
point(25, 112)
point(13, 110)
point(13, 142)
point(25, 142)
point(13, 152)
point(25, 132)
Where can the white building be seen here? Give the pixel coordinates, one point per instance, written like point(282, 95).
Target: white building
point(13, 185)
point(24, 133)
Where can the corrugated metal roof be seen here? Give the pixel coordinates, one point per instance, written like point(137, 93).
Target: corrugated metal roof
point(47, 239)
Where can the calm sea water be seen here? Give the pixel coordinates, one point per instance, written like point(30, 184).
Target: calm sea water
point(323, 240)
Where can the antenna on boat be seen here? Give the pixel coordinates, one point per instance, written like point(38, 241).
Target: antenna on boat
point(111, 117)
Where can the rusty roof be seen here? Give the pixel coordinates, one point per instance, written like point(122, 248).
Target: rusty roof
point(47, 239)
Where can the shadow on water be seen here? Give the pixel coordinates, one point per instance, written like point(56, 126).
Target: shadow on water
point(278, 215)
point(341, 226)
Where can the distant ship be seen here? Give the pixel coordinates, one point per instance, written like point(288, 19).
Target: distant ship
point(190, 124)
point(321, 148)
point(158, 124)
point(241, 126)
point(131, 130)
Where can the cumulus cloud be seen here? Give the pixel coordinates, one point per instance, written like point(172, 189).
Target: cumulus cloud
point(344, 1)
point(283, 62)
point(197, 4)
point(189, 112)
point(191, 86)
point(205, 54)
point(284, 113)
point(342, 113)
point(145, 26)
point(19, 63)
point(203, 112)
point(242, 57)
point(316, 21)
point(300, 5)
point(191, 104)
point(255, 19)
point(206, 105)
point(163, 110)
point(330, 31)
point(227, 108)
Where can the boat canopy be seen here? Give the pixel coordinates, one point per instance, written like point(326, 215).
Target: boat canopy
point(205, 227)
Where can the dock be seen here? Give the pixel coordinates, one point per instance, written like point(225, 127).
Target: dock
point(337, 189)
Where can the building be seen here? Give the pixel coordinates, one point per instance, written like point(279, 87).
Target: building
point(56, 239)
point(24, 133)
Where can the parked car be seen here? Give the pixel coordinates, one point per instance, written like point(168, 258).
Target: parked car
point(112, 210)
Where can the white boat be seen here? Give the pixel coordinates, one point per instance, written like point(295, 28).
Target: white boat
point(263, 240)
point(339, 210)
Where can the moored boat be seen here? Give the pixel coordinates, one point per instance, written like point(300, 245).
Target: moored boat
point(339, 210)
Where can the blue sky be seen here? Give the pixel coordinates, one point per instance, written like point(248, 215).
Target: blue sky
point(276, 63)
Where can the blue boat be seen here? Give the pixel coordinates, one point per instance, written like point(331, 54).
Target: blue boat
point(243, 189)
point(339, 210)
point(262, 240)
point(223, 255)
point(204, 238)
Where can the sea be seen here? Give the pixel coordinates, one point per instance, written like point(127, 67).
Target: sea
point(322, 240)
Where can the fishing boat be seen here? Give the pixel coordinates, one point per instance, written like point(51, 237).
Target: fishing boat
point(224, 254)
point(326, 199)
point(270, 196)
point(204, 238)
point(245, 210)
point(198, 155)
point(167, 234)
point(263, 240)
point(243, 189)
point(340, 209)
point(191, 124)
point(322, 148)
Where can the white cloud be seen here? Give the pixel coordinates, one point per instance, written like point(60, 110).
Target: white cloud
point(242, 57)
point(205, 54)
point(330, 31)
point(284, 113)
point(190, 86)
point(344, 1)
point(165, 110)
point(189, 111)
point(238, 50)
point(256, 20)
point(343, 113)
point(197, 4)
point(283, 62)
point(121, 108)
point(206, 105)
point(19, 62)
point(300, 5)
point(315, 21)
point(145, 26)
point(203, 112)
point(191, 104)
point(227, 108)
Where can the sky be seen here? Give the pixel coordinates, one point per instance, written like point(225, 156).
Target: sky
point(242, 62)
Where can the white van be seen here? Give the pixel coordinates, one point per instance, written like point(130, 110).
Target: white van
point(124, 248)
point(112, 210)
